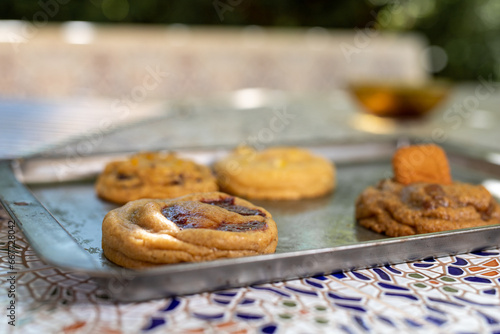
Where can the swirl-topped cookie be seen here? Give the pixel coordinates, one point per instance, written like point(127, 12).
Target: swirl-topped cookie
point(153, 175)
point(197, 227)
point(275, 173)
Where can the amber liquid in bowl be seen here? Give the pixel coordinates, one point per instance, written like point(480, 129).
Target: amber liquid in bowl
point(399, 101)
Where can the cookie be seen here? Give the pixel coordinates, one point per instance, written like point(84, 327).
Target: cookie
point(421, 163)
point(196, 227)
point(396, 209)
point(153, 175)
point(275, 173)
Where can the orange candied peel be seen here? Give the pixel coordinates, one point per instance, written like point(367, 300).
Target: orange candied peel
point(421, 163)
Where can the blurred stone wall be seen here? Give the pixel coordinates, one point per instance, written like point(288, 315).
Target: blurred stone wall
point(79, 59)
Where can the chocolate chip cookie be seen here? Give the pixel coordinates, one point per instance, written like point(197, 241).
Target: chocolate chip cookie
point(153, 175)
point(396, 209)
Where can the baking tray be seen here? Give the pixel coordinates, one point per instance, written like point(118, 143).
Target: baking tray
point(52, 199)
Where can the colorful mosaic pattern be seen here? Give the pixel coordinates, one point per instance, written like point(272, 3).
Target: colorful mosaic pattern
point(453, 294)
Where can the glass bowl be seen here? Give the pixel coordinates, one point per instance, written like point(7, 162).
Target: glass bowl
point(399, 100)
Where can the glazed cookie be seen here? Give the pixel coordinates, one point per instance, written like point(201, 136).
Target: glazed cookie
point(275, 173)
point(196, 227)
point(153, 175)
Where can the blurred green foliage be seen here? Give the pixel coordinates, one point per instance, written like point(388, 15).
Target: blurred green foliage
point(338, 14)
point(466, 30)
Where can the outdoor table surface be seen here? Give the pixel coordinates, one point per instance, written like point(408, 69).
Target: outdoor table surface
point(451, 294)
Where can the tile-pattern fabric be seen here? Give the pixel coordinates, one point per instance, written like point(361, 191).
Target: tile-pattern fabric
point(452, 294)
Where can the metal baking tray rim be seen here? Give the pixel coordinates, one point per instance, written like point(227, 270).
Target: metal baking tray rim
point(33, 219)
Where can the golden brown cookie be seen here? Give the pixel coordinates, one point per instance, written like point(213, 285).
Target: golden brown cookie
point(196, 227)
point(397, 209)
point(275, 173)
point(421, 163)
point(153, 175)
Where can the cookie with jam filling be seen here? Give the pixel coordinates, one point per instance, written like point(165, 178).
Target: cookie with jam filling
point(276, 173)
point(192, 228)
point(153, 175)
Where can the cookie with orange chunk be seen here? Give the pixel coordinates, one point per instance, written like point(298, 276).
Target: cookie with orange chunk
point(423, 198)
point(153, 175)
point(276, 173)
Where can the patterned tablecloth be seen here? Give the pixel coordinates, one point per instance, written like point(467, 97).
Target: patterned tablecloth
point(452, 294)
